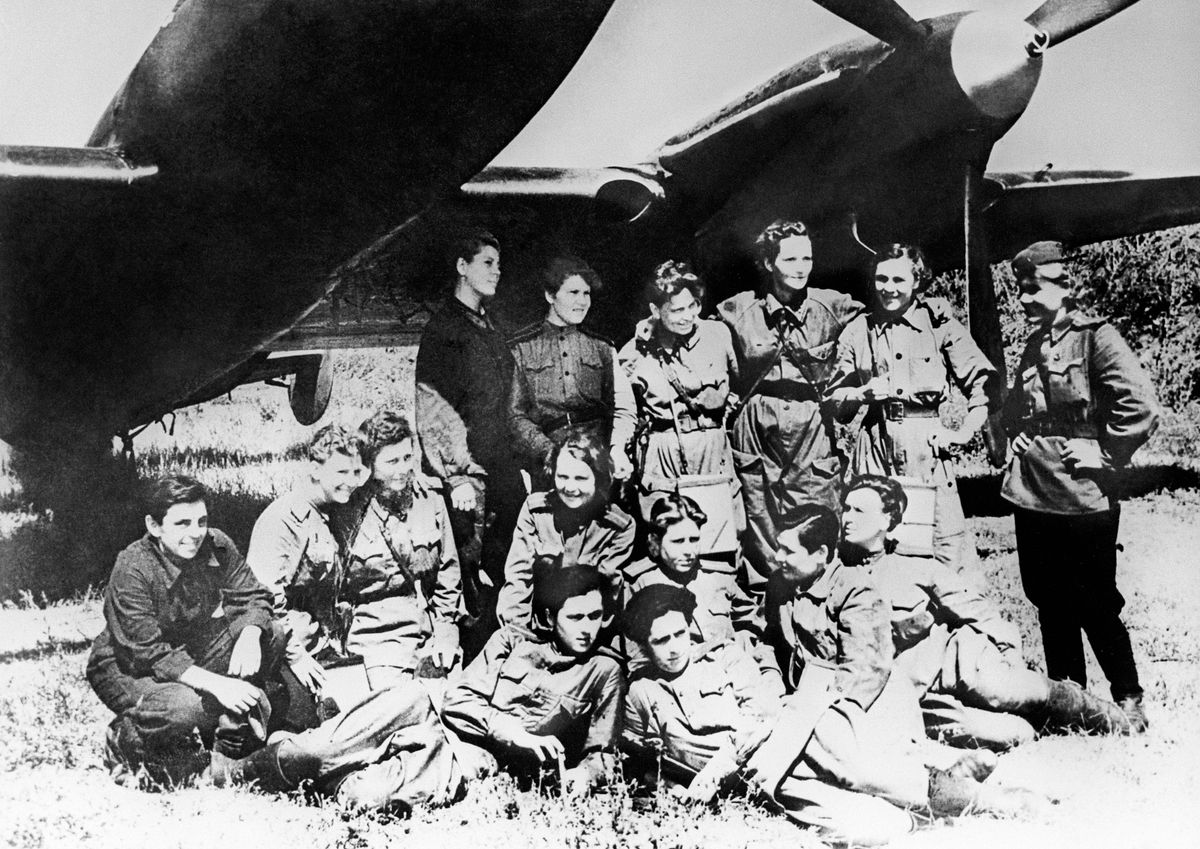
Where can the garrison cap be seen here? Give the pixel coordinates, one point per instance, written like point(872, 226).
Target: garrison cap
point(651, 602)
point(1026, 262)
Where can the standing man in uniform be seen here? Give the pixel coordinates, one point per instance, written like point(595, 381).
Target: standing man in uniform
point(1079, 408)
point(464, 361)
point(567, 376)
point(296, 554)
point(782, 438)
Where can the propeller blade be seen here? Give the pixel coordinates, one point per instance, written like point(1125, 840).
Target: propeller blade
point(884, 19)
point(1063, 19)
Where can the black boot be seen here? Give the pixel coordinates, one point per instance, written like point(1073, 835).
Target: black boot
point(1135, 712)
point(275, 768)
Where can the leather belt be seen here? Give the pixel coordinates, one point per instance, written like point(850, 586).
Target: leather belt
point(583, 417)
point(687, 423)
point(1061, 427)
point(788, 390)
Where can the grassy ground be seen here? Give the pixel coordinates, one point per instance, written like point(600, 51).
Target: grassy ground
point(1118, 792)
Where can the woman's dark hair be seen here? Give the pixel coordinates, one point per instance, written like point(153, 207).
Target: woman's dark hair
point(816, 525)
point(563, 267)
point(671, 278)
point(672, 509)
point(586, 449)
point(921, 273)
point(166, 492)
point(891, 495)
point(767, 243)
point(555, 584)
point(652, 602)
point(383, 428)
point(469, 243)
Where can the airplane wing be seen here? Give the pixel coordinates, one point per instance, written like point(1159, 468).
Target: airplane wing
point(1080, 207)
point(75, 164)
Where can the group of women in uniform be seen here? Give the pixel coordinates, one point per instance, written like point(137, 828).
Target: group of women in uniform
point(744, 412)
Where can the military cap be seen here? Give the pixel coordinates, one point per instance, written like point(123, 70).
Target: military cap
point(651, 602)
point(1026, 262)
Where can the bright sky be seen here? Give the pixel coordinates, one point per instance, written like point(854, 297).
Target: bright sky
point(1122, 95)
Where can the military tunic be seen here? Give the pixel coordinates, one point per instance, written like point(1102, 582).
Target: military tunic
point(603, 542)
point(782, 440)
point(722, 710)
point(919, 352)
point(685, 446)
point(566, 377)
point(1077, 380)
point(294, 553)
point(161, 619)
point(402, 577)
point(835, 641)
point(962, 657)
point(521, 680)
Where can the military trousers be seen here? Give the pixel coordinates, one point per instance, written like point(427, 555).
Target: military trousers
point(1068, 569)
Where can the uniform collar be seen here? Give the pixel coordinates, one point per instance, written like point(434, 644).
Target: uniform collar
point(819, 589)
point(563, 329)
point(776, 310)
point(479, 317)
point(1062, 325)
point(881, 320)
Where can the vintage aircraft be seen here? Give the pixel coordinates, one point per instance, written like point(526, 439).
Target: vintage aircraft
point(265, 150)
point(256, 146)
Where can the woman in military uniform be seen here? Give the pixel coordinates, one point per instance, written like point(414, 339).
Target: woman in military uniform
point(782, 437)
point(680, 366)
point(573, 522)
point(1080, 406)
point(402, 573)
point(566, 376)
point(899, 359)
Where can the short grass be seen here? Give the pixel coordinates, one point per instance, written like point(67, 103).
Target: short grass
point(1113, 792)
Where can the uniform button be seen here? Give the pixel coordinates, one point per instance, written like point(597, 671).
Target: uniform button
point(899, 355)
point(564, 353)
point(900, 391)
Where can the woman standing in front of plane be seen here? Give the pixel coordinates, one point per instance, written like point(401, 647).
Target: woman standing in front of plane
point(898, 359)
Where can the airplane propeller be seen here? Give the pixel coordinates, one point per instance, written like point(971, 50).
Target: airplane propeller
point(1063, 19)
point(884, 19)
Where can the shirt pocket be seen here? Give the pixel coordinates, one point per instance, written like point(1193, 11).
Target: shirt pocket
point(1068, 383)
point(1033, 398)
point(590, 380)
point(541, 376)
point(818, 362)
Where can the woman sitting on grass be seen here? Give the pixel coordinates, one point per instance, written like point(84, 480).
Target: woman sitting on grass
point(542, 697)
point(575, 522)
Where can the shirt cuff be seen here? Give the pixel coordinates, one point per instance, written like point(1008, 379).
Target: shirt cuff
point(170, 666)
